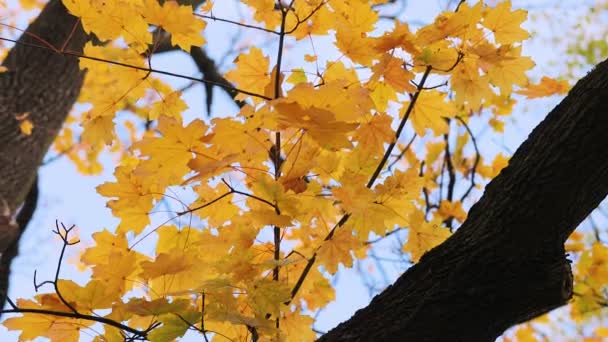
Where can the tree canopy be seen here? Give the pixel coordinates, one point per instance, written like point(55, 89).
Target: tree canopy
point(352, 127)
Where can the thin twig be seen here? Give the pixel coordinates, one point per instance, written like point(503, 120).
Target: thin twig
point(451, 176)
point(135, 67)
point(475, 162)
point(370, 242)
point(98, 319)
point(214, 18)
point(402, 153)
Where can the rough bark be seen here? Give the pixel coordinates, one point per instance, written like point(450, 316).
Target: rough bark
point(44, 84)
point(506, 264)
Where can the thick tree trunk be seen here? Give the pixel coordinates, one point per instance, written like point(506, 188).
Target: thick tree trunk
point(42, 84)
point(506, 264)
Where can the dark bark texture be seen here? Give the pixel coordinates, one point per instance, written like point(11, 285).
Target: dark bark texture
point(45, 84)
point(506, 264)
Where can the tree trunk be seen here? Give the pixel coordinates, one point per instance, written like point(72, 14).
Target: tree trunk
point(506, 264)
point(42, 84)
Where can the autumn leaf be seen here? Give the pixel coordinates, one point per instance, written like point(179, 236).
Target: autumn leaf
point(267, 296)
point(431, 111)
point(173, 326)
point(25, 125)
point(55, 328)
point(338, 250)
point(394, 73)
point(374, 134)
point(319, 123)
point(171, 105)
point(423, 235)
point(506, 24)
point(168, 155)
point(461, 24)
point(133, 199)
point(91, 297)
point(178, 20)
point(251, 73)
point(546, 87)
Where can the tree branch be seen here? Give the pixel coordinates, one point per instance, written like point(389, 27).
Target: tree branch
point(506, 264)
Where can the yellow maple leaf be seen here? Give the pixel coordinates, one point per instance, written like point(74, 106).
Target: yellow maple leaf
point(134, 200)
point(592, 266)
point(297, 324)
point(267, 297)
point(178, 20)
point(430, 111)
point(155, 307)
point(354, 197)
point(320, 18)
point(55, 328)
point(393, 72)
point(270, 90)
point(251, 73)
point(99, 129)
point(113, 20)
point(168, 156)
point(506, 24)
point(319, 123)
point(381, 94)
point(174, 271)
point(265, 12)
point(338, 249)
point(337, 71)
point(601, 331)
point(347, 99)
point(500, 162)
point(356, 46)
point(356, 14)
point(372, 135)
point(116, 271)
point(497, 125)
point(400, 36)
point(396, 196)
point(310, 58)
point(470, 87)
point(525, 333)
point(449, 209)
point(423, 236)
point(25, 125)
point(546, 87)
point(208, 165)
point(91, 297)
point(170, 105)
point(511, 69)
point(575, 242)
point(462, 24)
point(297, 76)
point(166, 264)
